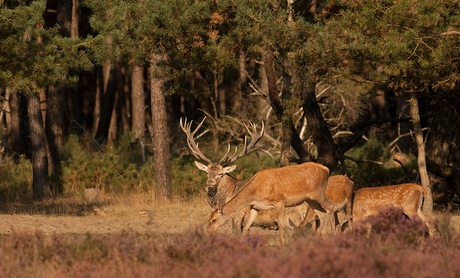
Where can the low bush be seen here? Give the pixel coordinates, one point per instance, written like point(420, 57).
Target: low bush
point(198, 255)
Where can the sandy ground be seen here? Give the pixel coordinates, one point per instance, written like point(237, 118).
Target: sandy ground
point(162, 220)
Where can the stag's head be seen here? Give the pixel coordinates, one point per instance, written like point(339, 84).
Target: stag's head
point(216, 171)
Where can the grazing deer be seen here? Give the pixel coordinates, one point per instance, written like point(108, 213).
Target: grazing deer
point(221, 187)
point(339, 190)
point(277, 189)
point(408, 197)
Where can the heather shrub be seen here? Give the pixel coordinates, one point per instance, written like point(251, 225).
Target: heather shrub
point(393, 226)
point(195, 254)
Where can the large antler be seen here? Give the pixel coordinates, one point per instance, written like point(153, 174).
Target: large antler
point(247, 147)
point(186, 127)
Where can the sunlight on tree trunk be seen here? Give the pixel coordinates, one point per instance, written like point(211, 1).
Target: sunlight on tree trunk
point(41, 187)
point(161, 137)
point(428, 203)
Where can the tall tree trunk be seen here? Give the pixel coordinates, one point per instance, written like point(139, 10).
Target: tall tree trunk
point(327, 150)
point(41, 187)
point(55, 120)
point(112, 133)
point(276, 103)
point(428, 203)
point(107, 101)
point(161, 137)
point(138, 101)
point(20, 134)
point(124, 100)
point(54, 128)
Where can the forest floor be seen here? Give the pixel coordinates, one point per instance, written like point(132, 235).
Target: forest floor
point(135, 213)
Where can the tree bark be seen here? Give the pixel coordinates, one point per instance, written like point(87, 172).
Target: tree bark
point(276, 103)
point(161, 137)
point(19, 139)
point(327, 150)
point(138, 101)
point(41, 187)
point(107, 101)
point(428, 203)
point(54, 128)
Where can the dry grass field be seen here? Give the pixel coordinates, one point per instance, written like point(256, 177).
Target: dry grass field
point(72, 218)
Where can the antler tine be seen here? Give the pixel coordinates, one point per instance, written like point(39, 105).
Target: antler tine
point(247, 148)
point(193, 146)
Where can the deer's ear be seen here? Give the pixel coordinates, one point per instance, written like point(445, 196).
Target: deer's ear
point(229, 169)
point(201, 166)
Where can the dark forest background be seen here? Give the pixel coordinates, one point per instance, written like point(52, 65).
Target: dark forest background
point(327, 78)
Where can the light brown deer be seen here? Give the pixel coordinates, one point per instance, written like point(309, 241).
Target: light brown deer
point(220, 186)
point(339, 190)
point(408, 197)
point(277, 189)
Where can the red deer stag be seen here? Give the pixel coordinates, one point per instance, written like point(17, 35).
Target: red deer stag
point(221, 187)
point(277, 189)
point(408, 197)
point(339, 190)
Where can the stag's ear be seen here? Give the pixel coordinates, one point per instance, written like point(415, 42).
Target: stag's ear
point(229, 169)
point(201, 166)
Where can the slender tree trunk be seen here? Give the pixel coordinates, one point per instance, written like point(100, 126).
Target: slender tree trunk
point(108, 94)
point(54, 128)
point(14, 140)
point(112, 133)
point(161, 137)
point(428, 203)
point(41, 187)
point(20, 134)
point(124, 100)
point(138, 101)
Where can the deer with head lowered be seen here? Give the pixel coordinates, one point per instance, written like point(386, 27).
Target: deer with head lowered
point(277, 189)
point(220, 186)
point(407, 197)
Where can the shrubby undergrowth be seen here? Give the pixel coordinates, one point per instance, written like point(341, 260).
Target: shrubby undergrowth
point(388, 251)
point(118, 168)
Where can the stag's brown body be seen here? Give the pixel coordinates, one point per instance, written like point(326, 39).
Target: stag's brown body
point(408, 197)
point(277, 189)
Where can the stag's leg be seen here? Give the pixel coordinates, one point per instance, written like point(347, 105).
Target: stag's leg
point(252, 216)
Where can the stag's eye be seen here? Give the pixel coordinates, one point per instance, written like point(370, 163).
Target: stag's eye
point(213, 220)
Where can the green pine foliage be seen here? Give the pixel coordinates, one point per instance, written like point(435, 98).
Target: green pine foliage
point(33, 57)
point(413, 43)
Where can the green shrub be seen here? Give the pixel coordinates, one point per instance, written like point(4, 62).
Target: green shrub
point(367, 173)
